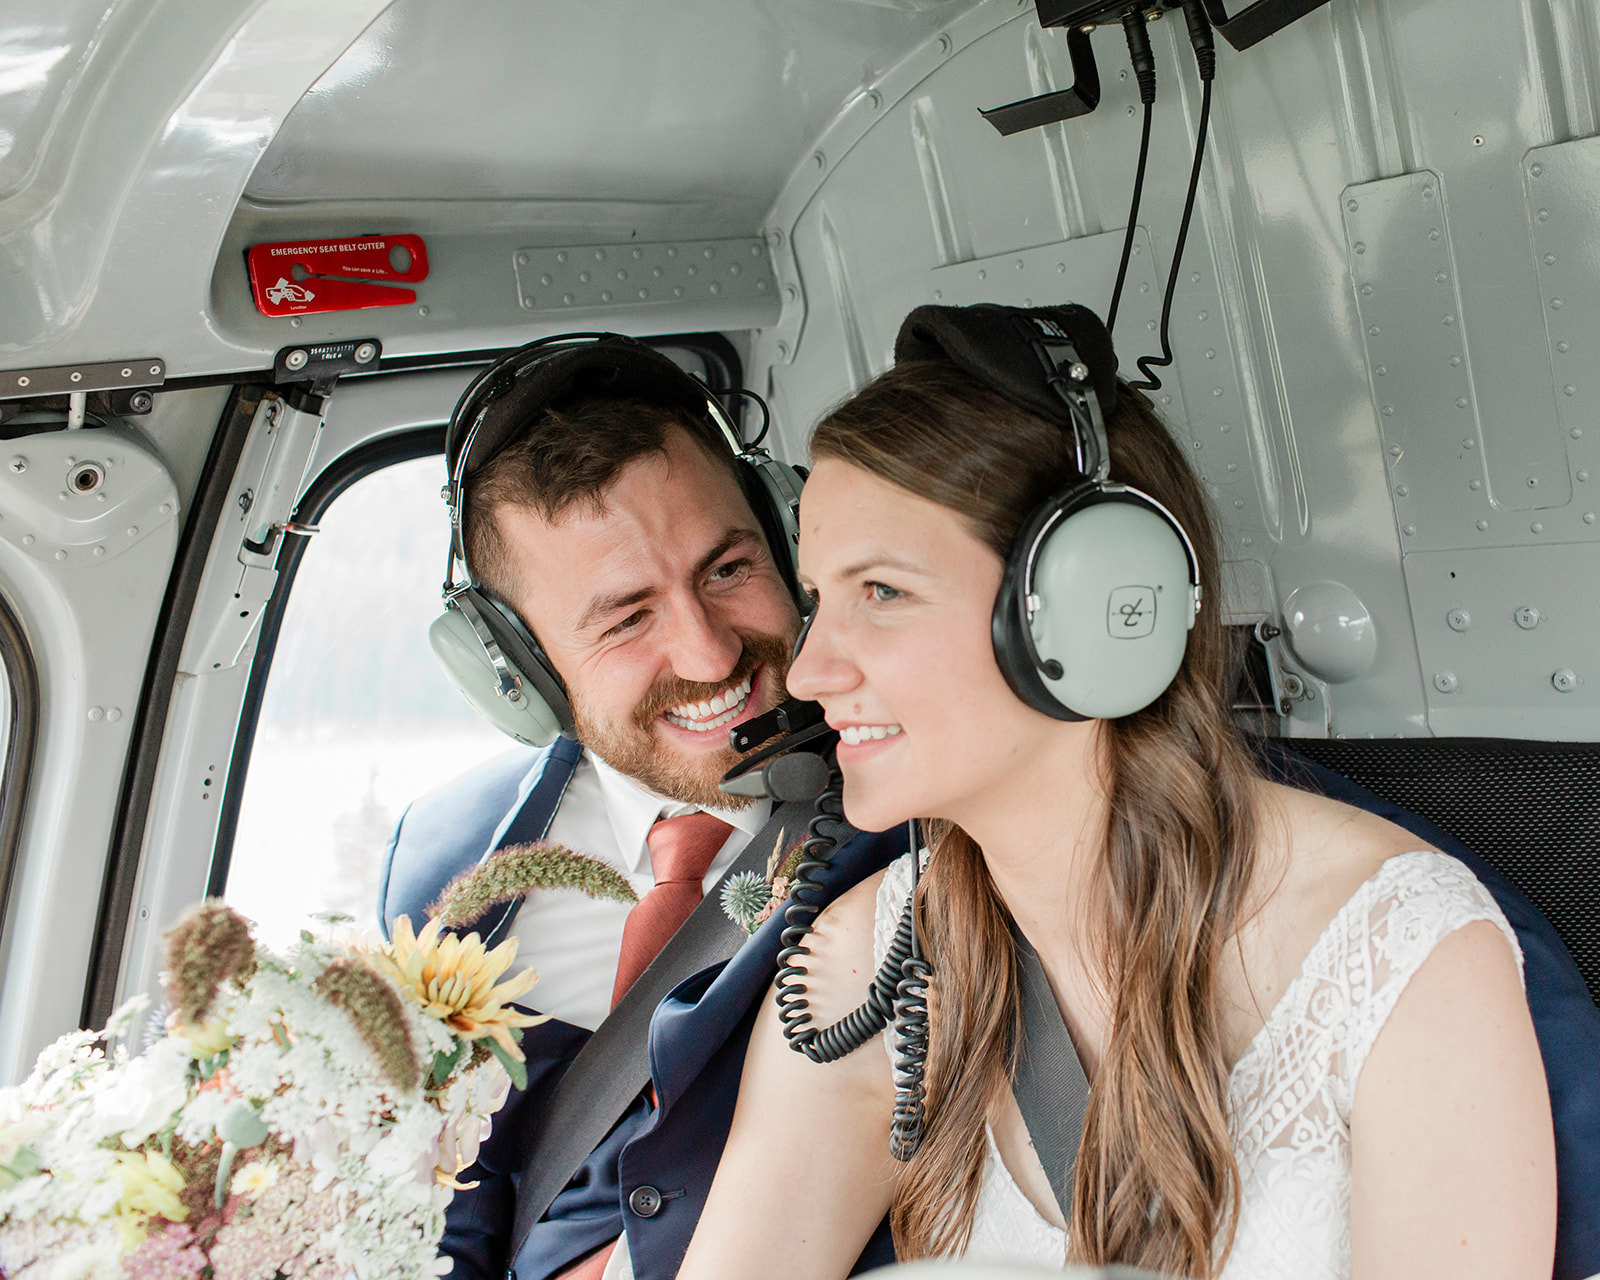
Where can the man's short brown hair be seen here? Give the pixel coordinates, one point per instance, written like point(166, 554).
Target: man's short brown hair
point(565, 457)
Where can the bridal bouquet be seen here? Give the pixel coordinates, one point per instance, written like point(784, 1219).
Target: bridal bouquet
point(301, 1115)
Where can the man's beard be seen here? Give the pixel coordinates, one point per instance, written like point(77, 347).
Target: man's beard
point(632, 747)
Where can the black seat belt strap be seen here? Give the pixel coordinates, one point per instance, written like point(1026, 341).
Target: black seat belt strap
point(1050, 1086)
point(613, 1067)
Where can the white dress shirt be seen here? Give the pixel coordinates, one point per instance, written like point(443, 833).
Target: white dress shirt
point(574, 940)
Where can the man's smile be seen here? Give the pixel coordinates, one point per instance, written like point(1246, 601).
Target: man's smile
point(720, 709)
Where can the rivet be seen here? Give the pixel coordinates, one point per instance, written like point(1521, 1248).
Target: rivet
point(1569, 390)
point(1583, 475)
point(1441, 276)
point(27, 539)
point(528, 301)
point(547, 280)
point(1544, 215)
point(1461, 402)
point(1238, 504)
point(1482, 525)
point(1360, 247)
point(127, 373)
point(1433, 233)
point(562, 255)
point(1246, 541)
point(1455, 362)
point(599, 255)
point(1474, 485)
point(566, 299)
point(622, 273)
point(165, 508)
point(783, 351)
point(1382, 370)
point(97, 714)
point(1459, 619)
point(583, 277)
point(677, 291)
point(1533, 482)
point(944, 44)
point(1536, 527)
point(1588, 517)
point(1555, 304)
point(522, 259)
point(76, 376)
point(1449, 319)
point(1366, 291)
point(98, 552)
point(1427, 193)
point(1019, 264)
point(605, 294)
point(1469, 444)
point(1211, 353)
point(61, 555)
point(1394, 451)
point(1203, 315)
point(1563, 347)
point(1352, 206)
point(1372, 330)
point(422, 311)
point(1216, 391)
point(1402, 491)
point(1388, 411)
point(982, 274)
point(1536, 169)
point(295, 322)
point(1410, 530)
point(1549, 259)
point(819, 160)
point(1445, 681)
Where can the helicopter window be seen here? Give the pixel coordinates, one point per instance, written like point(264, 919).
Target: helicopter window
point(356, 719)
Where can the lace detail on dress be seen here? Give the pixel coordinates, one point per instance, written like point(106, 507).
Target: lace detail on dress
point(1290, 1096)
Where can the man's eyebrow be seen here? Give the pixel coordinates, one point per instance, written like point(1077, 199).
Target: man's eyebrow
point(601, 606)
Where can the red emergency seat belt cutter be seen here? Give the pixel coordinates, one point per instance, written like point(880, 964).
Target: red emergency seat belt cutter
point(291, 278)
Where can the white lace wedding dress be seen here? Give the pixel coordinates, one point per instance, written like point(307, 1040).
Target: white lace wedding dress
point(1291, 1094)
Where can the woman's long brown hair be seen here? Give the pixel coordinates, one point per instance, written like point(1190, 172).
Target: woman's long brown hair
point(1156, 1183)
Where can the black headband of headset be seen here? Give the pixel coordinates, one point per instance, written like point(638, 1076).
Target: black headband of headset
point(519, 389)
point(986, 342)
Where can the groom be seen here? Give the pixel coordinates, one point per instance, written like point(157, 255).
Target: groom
point(619, 531)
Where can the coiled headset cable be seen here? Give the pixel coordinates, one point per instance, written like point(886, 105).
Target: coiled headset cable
point(898, 992)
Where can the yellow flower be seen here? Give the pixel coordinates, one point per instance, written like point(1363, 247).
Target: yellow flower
point(453, 979)
point(254, 1178)
point(150, 1187)
point(206, 1039)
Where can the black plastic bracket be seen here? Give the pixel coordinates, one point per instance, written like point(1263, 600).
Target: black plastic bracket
point(1255, 22)
point(1050, 108)
point(324, 363)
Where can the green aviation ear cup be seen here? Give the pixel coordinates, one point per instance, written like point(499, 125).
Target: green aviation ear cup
point(1096, 605)
point(486, 650)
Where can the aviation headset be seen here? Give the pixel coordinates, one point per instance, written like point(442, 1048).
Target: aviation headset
point(1102, 585)
point(486, 650)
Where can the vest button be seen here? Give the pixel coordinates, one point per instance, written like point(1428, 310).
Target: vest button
point(645, 1201)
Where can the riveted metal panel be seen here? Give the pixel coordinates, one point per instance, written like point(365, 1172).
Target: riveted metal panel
point(1561, 183)
point(1507, 636)
point(639, 277)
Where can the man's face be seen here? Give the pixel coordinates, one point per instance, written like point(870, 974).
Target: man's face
point(663, 613)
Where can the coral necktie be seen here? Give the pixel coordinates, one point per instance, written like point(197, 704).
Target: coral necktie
point(681, 849)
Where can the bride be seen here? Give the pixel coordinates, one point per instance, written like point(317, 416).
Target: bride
point(1306, 1038)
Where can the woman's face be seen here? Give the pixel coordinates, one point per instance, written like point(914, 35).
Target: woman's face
point(899, 652)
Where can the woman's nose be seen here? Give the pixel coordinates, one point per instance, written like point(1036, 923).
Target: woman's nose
point(819, 667)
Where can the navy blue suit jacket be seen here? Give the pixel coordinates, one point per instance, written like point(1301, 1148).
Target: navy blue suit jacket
point(698, 1038)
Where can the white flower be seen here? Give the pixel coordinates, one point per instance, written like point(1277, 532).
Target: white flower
point(254, 1178)
point(100, 1259)
point(140, 1097)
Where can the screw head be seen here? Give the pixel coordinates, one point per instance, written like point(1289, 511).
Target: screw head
point(19, 464)
point(1528, 617)
point(365, 352)
point(1445, 681)
point(1565, 680)
point(1459, 619)
point(296, 359)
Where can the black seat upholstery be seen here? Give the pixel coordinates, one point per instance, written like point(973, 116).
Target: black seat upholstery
point(1530, 808)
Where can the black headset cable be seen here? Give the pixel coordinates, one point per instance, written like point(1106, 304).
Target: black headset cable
point(1206, 60)
point(1144, 69)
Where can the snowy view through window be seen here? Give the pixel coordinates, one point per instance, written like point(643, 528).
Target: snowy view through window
point(357, 720)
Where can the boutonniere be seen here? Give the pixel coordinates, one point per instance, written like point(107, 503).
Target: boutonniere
point(748, 897)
